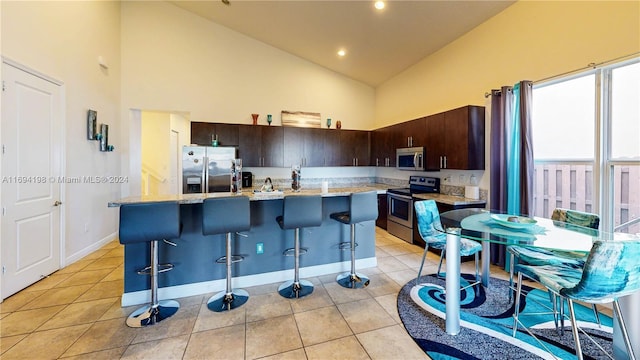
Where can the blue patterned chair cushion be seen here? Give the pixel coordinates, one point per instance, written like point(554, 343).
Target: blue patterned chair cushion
point(428, 219)
point(574, 217)
point(553, 277)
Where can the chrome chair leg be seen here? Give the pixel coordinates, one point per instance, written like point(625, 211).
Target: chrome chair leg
point(297, 288)
point(230, 298)
point(574, 328)
point(623, 328)
point(440, 264)
point(424, 256)
point(511, 270)
point(516, 309)
point(353, 280)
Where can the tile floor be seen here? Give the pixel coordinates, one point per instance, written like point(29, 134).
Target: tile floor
point(75, 314)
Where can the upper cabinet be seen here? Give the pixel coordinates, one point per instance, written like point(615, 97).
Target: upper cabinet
point(261, 145)
point(203, 134)
point(354, 147)
point(303, 146)
point(456, 139)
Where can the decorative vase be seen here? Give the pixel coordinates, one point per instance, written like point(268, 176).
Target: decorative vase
point(255, 119)
point(269, 119)
point(295, 178)
point(328, 123)
point(338, 125)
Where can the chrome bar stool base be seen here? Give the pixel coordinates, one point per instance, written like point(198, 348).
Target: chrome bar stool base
point(352, 281)
point(293, 290)
point(224, 301)
point(150, 315)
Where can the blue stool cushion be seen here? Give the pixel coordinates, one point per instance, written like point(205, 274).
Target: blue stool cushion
point(363, 206)
point(301, 211)
point(225, 215)
point(149, 222)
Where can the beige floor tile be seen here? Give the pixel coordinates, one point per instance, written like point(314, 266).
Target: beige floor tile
point(387, 343)
point(318, 299)
point(297, 354)
point(262, 289)
point(85, 277)
point(48, 344)
point(181, 323)
point(209, 320)
point(382, 240)
point(166, 349)
point(117, 252)
point(105, 263)
point(18, 300)
point(79, 313)
point(341, 295)
point(390, 264)
point(116, 311)
point(267, 306)
point(365, 315)
point(344, 348)
point(320, 325)
point(97, 254)
point(396, 249)
point(223, 343)
point(116, 274)
point(413, 260)
point(109, 354)
point(75, 267)
point(103, 289)
point(193, 300)
point(272, 336)
point(104, 335)
point(58, 296)
point(390, 304)
point(381, 284)
point(402, 277)
point(49, 282)
point(7, 342)
point(23, 322)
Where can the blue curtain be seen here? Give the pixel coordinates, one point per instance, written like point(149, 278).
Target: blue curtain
point(511, 152)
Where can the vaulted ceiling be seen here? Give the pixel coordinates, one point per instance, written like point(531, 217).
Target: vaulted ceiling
point(378, 44)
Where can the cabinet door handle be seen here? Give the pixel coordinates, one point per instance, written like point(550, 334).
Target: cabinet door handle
point(445, 162)
point(441, 162)
point(377, 162)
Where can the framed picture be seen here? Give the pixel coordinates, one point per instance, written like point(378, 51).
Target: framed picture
point(92, 118)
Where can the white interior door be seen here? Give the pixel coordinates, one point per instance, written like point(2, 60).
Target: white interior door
point(31, 167)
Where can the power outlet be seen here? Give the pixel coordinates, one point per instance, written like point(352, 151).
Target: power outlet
point(260, 248)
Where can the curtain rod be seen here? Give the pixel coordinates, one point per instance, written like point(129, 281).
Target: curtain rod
point(589, 66)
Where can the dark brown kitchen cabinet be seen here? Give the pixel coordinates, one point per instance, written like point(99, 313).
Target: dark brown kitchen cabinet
point(381, 221)
point(383, 149)
point(261, 145)
point(410, 133)
point(355, 148)
point(303, 146)
point(455, 139)
point(202, 133)
point(332, 151)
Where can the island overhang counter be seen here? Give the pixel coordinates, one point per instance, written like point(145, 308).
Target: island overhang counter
point(196, 272)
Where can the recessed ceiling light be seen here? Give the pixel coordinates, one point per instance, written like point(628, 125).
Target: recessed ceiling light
point(341, 52)
point(379, 5)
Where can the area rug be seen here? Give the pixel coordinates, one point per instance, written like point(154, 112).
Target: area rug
point(487, 322)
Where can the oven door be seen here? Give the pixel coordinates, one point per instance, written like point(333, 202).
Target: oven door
point(400, 209)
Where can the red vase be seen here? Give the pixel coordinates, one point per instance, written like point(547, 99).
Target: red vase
point(255, 119)
point(338, 124)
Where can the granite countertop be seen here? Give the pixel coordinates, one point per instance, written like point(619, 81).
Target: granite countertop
point(449, 199)
point(253, 196)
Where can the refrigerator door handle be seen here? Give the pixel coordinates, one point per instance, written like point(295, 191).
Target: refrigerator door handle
point(205, 175)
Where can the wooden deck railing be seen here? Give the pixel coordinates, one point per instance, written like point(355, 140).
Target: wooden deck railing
point(570, 185)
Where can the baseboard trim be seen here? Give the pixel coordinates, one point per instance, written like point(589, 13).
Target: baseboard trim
point(89, 249)
point(179, 291)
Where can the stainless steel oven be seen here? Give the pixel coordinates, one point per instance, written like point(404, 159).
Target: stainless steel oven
point(400, 205)
point(400, 216)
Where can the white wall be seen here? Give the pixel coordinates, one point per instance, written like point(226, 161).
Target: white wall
point(63, 40)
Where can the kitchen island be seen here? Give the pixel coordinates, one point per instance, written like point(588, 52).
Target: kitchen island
point(195, 271)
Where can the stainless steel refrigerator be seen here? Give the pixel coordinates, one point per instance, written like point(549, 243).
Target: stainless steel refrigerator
point(206, 169)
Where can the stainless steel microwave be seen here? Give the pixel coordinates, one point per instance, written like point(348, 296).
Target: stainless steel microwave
point(410, 158)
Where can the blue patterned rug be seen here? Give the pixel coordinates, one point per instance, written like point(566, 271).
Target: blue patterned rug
point(487, 322)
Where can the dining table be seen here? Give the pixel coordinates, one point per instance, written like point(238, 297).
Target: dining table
point(495, 227)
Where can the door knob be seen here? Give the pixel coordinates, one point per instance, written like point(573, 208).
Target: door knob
point(57, 203)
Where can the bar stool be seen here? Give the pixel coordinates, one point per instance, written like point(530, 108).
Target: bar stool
point(225, 216)
point(298, 211)
point(363, 206)
point(149, 222)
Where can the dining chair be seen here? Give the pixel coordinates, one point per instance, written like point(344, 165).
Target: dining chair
point(428, 218)
point(610, 271)
point(539, 256)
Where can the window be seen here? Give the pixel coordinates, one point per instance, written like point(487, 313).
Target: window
point(586, 148)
